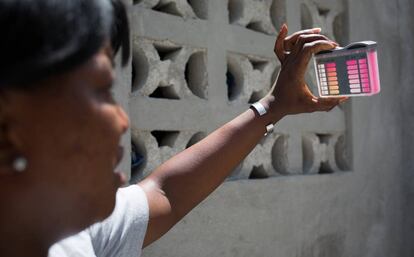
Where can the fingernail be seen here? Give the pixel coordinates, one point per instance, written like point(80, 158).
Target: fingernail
point(317, 29)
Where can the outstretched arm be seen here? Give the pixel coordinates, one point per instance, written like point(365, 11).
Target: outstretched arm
point(182, 182)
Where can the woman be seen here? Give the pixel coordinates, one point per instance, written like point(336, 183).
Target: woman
point(60, 131)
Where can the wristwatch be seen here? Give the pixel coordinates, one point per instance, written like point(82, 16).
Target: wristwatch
point(261, 110)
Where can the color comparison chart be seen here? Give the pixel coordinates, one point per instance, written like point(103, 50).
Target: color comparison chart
point(357, 80)
point(348, 72)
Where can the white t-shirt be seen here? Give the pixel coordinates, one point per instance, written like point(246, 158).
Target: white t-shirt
point(120, 235)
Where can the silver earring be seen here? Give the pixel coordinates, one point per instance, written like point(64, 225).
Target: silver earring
point(20, 164)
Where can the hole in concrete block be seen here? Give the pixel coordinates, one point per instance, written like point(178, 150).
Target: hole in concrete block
point(325, 169)
point(306, 19)
point(256, 26)
point(259, 65)
point(170, 8)
point(235, 80)
point(324, 12)
point(342, 157)
point(138, 160)
point(278, 13)
point(308, 153)
point(235, 8)
point(165, 93)
point(165, 138)
point(196, 74)
point(341, 29)
point(200, 8)
point(256, 96)
point(167, 52)
point(238, 13)
point(195, 139)
point(324, 138)
point(280, 155)
point(231, 85)
point(258, 172)
point(140, 70)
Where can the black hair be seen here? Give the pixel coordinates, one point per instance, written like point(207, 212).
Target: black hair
point(120, 31)
point(40, 38)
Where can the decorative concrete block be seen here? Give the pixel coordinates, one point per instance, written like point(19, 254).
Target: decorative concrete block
point(156, 147)
point(184, 8)
point(253, 77)
point(325, 14)
point(254, 14)
point(321, 153)
point(177, 72)
point(180, 83)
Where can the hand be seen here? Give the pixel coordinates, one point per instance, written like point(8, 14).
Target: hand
point(290, 91)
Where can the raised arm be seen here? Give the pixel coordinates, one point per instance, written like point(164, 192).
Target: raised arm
point(181, 183)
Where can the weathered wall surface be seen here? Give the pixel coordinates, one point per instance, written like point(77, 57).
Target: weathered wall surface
point(406, 28)
point(332, 184)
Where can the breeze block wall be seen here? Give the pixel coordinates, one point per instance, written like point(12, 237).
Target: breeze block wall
point(324, 184)
point(197, 64)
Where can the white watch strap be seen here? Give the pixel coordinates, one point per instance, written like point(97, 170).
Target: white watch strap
point(261, 110)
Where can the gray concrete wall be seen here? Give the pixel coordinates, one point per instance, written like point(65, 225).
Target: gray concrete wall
point(406, 28)
point(360, 206)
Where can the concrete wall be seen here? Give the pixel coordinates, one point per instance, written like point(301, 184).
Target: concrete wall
point(406, 74)
point(333, 184)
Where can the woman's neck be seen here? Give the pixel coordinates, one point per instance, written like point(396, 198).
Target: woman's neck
point(22, 231)
point(20, 242)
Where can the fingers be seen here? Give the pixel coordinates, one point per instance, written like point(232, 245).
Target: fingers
point(309, 38)
point(279, 45)
point(308, 49)
point(327, 104)
point(291, 40)
point(286, 43)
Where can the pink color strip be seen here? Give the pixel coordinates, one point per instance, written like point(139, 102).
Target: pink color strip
point(351, 72)
point(364, 75)
point(353, 76)
point(351, 62)
point(365, 80)
point(362, 61)
point(366, 90)
point(365, 85)
point(331, 64)
point(331, 69)
point(373, 71)
point(363, 70)
point(352, 67)
point(354, 81)
point(363, 66)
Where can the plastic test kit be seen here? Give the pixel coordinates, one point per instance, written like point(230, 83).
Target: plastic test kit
point(348, 71)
